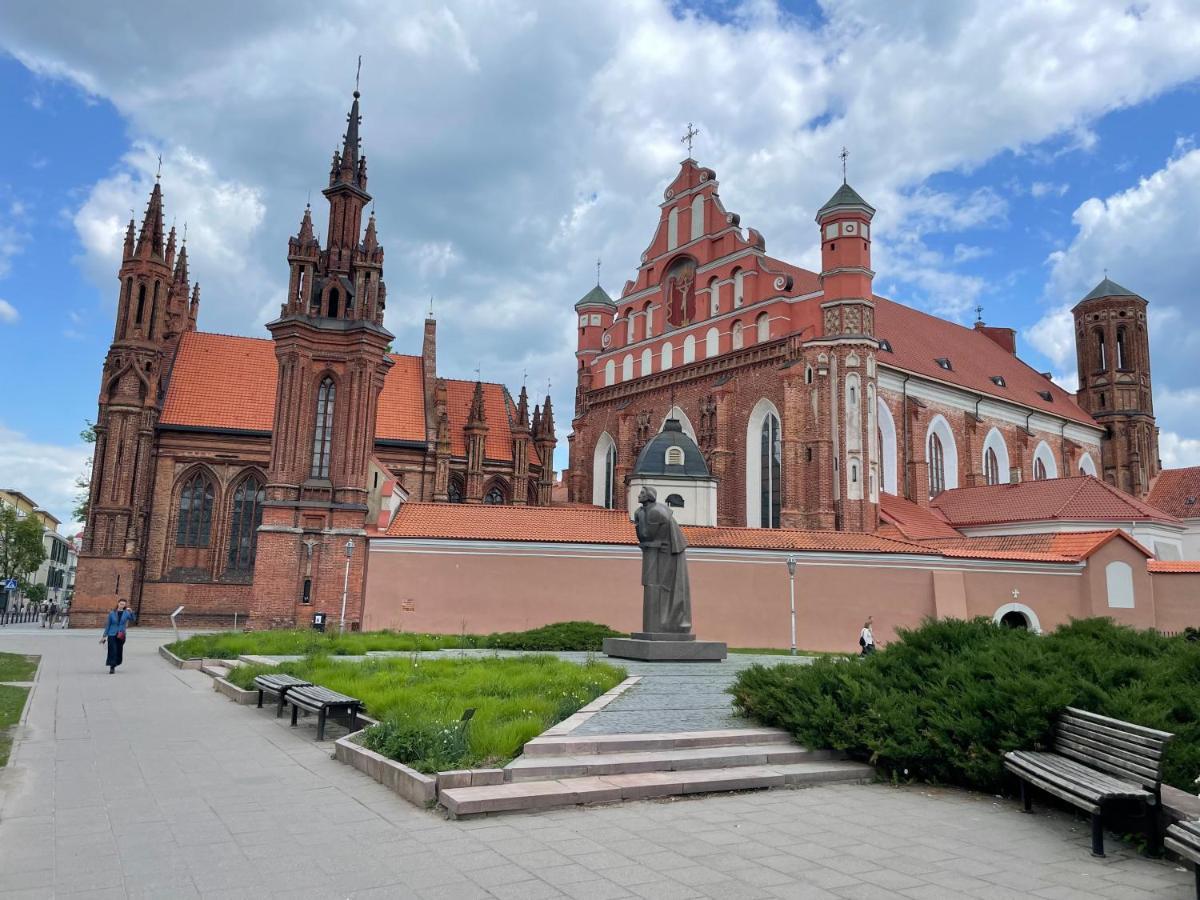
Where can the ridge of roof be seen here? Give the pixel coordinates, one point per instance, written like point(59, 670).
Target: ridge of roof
point(1037, 501)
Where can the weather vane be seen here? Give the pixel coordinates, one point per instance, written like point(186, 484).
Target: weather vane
point(158, 174)
point(978, 312)
point(597, 271)
point(845, 153)
point(547, 387)
point(357, 72)
point(185, 231)
point(524, 375)
point(431, 306)
point(688, 136)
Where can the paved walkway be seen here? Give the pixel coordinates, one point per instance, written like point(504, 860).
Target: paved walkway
point(147, 783)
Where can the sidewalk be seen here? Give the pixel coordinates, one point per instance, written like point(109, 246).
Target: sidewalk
point(148, 783)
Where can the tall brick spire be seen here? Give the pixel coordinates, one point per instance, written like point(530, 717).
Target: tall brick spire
point(150, 239)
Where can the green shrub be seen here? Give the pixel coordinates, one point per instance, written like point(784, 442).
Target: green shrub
point(560, 636)
point(946, 700)
point(427, 746)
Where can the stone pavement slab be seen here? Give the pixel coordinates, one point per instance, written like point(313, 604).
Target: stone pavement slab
point(149, 784)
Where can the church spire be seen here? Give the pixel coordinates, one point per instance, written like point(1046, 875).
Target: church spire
point(150, 239)
point(181, 266)
point(477, 415)
point(130, 234)
point(350, 167)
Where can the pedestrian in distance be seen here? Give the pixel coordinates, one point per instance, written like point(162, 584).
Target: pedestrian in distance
point(51, 612)
point(866, 638)
point(114, 633)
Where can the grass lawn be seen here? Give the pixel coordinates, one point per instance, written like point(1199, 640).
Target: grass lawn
point(12, 701)
point(17, 667)
point(420, 702)
point(232, 644)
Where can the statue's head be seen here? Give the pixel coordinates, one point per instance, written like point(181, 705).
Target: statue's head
point(647, 495)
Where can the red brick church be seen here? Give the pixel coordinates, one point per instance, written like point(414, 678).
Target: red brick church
point(810, 396)
point(236, 474)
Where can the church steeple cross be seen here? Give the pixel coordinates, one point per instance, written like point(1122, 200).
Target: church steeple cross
point(689, 136)
point(844, 154)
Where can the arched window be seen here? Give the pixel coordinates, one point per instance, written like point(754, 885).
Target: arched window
point(494, 496)
point(1122, 359)
point(737, 336)
point(245, 517)
point(1039, 470)
point(887, 442)
point(604, 472)
point(991, 466)
point(689, 349)
point(714, 296)
point(763, 324)
point(141, 304)
point(1044, 464)
point(1101, 352)
point(454, 491)
point(628, 327)
point(673, 229)
point(647, 361)
point(323, 429)
point(739, 288)
point(648, 315)
point(668, 356)
point(770, 470)
point(1086, 465)
point(153, 312)
point(610, 372)
point(937, 466)
point(712, 342)
point(195, 512)
point(627, 367)
point(335, 300)
point(697, 217)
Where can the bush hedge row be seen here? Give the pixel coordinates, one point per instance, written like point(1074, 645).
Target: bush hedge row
point(945, 701)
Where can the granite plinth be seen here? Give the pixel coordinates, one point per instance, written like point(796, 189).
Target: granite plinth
point(663, 636)
point(671, 650)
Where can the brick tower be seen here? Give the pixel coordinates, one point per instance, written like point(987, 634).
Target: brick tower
point(1113, 349)
point(841, 477)
point(331, 349)
point(155, 306)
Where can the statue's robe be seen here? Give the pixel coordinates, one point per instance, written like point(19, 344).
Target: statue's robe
point(666, 595)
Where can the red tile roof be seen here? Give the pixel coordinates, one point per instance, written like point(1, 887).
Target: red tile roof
point(1172, 490)
point(592, 525)
point(1174, 566)
point(1071, 546)
point(914, 522)
point(918, 339)
point(228, 382)
point(1081, 497)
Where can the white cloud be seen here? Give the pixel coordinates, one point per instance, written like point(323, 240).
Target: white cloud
point(1177, 452)
point(510, 143)
point(8, 312)
point(45, 472)
point(1039, 189)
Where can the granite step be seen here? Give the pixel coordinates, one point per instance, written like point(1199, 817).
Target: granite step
point(547, 793)
point(573, 745)
point(540, 768)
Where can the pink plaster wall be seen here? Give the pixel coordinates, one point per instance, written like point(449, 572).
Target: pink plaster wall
point(1177, 600)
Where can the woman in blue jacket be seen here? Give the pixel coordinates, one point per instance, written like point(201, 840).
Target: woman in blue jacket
point(114, 633)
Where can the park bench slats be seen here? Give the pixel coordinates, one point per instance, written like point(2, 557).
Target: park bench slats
point(326, 704)
point(278, 684)
point(1096, 759)
point(1183, 838)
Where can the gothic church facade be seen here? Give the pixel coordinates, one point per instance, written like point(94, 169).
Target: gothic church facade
point(810, 395)
point(237, 475)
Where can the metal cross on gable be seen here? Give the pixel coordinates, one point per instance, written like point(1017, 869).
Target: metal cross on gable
point(844, 154)
point(978, 312)
point(689, 136)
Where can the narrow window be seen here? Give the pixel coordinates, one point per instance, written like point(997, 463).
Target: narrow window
point(494, 497)
point(323, 430)
point(195, 512)
point(245, 517)
point(1101, 352)
point(1039, 470)
point(739, 288)
point(991, 466)
point(937, 466)
point(763, 324)
point(610, 474)
point(648, 314)
point(455, 491)
point(335, 300)
point(141, 304)
point(737, 335)
point(770, 472)
point(1122, 360)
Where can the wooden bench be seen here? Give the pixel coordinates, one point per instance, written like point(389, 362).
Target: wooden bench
point(278, 685)
point(326, 704)
point(1096, 760)
point(1183, 838)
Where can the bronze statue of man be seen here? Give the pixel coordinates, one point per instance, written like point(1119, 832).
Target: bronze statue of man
point(666, 596)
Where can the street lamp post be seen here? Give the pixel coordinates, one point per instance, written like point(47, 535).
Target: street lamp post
point(791, 564)
point(346, 585)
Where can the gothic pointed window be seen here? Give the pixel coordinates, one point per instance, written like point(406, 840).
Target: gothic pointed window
point(454, 491)
point(141, 306)
point(610, 476)
point(323, 431)
point(770, 473)
point(334, 303)
point(1122, 358)
point(1101, 352)
point(991, 466)
point(937, 466)
point(195, 512)
point(245, 517)
point(494, 496)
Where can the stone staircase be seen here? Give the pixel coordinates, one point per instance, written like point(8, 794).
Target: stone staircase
point(575, 769)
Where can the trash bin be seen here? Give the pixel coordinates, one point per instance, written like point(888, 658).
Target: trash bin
point(318, 621)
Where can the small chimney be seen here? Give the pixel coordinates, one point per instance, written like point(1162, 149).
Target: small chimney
point(1005, 337)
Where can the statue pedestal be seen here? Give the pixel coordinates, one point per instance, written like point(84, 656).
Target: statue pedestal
point(657, 646)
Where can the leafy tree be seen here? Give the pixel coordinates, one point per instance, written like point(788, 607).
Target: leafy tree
point(21, 547)
point(84, 482)
point(36, 593)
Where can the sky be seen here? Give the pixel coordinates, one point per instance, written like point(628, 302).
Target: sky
point(1014, 150)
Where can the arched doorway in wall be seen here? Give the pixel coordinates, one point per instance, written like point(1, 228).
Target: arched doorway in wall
point(1017, 615)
